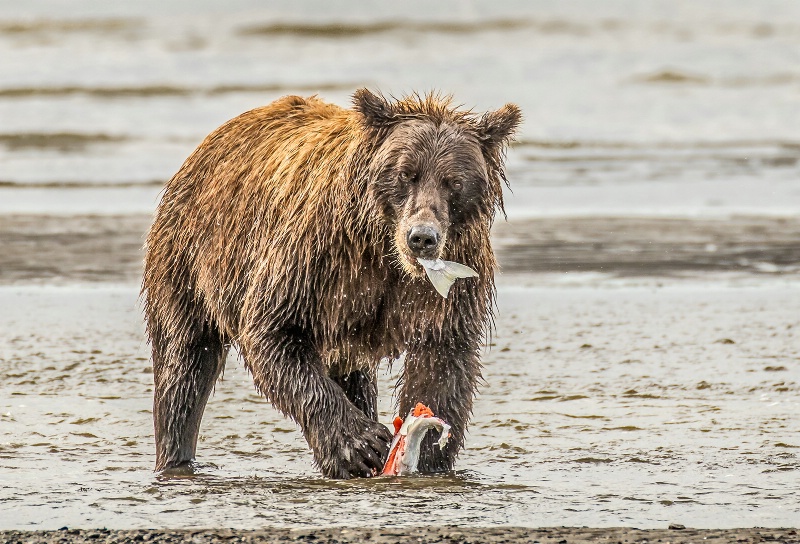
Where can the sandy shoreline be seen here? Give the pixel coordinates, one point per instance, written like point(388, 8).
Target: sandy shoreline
point(91, 248)
point(416, 534)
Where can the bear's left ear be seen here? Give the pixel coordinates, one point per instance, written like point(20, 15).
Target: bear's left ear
point(378, 113)
point(497, 127)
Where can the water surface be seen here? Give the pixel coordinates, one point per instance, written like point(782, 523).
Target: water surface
point(645, 366)
point(626, 404)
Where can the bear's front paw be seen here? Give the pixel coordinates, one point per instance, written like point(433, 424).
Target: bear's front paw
point(357, 449)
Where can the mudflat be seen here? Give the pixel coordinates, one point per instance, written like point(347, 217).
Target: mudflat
point(108, 248)
point(424, 535)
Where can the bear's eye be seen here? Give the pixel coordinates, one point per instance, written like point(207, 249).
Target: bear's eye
point(457, 185)
point(407, 177)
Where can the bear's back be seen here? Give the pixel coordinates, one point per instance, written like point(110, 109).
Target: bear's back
point(271, 190)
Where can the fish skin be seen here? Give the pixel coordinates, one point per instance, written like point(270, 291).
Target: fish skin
point(443, 274)
point(405, 450)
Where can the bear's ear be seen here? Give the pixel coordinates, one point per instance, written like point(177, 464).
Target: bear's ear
point(497, 127)
point(377, 111)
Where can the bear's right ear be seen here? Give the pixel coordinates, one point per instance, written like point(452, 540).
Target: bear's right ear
point(377, 111)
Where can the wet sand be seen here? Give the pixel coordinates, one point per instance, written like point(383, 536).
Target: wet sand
point(649, 246)
point(608, 402)
point(423, 535)
point(108, 249)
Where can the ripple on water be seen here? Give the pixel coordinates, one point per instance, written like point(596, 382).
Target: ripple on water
point(692, 431)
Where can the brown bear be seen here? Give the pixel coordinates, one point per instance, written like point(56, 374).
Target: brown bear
point(292, 232)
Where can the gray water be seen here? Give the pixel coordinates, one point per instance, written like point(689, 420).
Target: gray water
point(620, 405)
point(679, 108)
point(646, 363)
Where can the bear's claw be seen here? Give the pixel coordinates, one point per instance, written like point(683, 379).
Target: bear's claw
point(355, 450)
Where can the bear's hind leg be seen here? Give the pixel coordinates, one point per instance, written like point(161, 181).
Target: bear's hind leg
point(185, 370)
point(361, 388)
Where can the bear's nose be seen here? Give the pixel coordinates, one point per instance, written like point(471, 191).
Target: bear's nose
point(423, 240)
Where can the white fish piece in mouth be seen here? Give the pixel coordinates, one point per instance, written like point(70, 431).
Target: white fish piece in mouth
point(444, 273)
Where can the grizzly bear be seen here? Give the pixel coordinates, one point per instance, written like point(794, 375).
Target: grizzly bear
point(292, 233)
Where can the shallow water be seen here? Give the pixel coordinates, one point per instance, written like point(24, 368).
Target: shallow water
point(670, 107)
point(619, 404)
point(646, 361)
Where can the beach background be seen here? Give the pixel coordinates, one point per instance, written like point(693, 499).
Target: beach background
point(645, 367)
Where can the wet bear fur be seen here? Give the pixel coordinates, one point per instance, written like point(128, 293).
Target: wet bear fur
point(285, 234)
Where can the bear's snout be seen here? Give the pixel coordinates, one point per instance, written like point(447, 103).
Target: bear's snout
point(423, 241)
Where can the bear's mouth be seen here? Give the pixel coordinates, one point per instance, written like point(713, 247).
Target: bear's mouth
point(410, 265)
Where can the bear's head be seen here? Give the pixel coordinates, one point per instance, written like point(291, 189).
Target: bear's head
point(436, 171)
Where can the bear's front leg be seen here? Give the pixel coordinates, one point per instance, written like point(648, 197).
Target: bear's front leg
point(442, 374)
point(288, 371)
point(361, 388)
